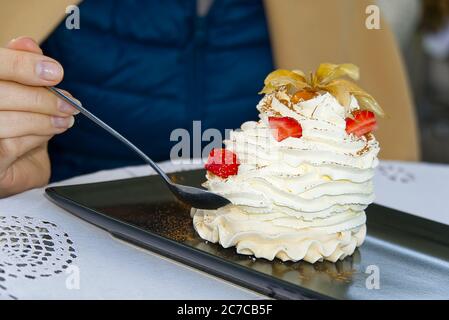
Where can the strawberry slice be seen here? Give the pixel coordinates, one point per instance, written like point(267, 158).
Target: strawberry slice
point(222, 163)
point(285, 127)
point(364, 122)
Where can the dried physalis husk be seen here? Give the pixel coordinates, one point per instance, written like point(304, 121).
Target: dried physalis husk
point(327, 72)
point(365, 100)
point(341, 94)
point(301, 74)
point(293, 81)
point(326, 78)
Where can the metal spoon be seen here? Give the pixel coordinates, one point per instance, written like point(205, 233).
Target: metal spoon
point(196, 197)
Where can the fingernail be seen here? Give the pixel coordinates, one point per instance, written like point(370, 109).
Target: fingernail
point(63, 122)
point(49, 70)
point(65, 107)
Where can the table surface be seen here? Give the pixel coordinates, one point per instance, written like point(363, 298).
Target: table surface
point(46, 253)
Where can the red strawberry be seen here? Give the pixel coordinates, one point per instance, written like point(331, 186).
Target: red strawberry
point(222, 163)
point(364, 122)
point(285, 127)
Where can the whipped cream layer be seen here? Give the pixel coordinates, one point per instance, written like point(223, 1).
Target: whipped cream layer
point(300, 198)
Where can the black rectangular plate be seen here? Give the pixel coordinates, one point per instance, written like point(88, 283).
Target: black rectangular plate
point(408, 255)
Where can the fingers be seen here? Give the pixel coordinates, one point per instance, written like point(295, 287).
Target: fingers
point(18, 97)
point(29, 68)
point(24, 44)
point(29, 114)
point(19, 124)
point(30, 171)
point(13, 148)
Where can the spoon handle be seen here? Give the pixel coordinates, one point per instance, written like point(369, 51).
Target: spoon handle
point(114, 133)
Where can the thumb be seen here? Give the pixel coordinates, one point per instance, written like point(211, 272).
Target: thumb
point(24, 44)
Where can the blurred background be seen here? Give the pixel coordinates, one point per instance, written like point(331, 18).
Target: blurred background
point(422, 31)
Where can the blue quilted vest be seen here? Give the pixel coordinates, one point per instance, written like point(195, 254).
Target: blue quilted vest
point(149, 67)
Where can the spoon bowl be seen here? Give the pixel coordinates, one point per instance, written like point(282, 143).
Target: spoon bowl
point(198, 198)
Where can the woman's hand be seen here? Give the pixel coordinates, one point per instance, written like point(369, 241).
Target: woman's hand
point(29, 115)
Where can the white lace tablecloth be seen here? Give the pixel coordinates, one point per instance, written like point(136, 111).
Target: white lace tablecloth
point(46, 253)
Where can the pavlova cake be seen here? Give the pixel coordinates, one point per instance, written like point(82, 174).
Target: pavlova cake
point(300, 177)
